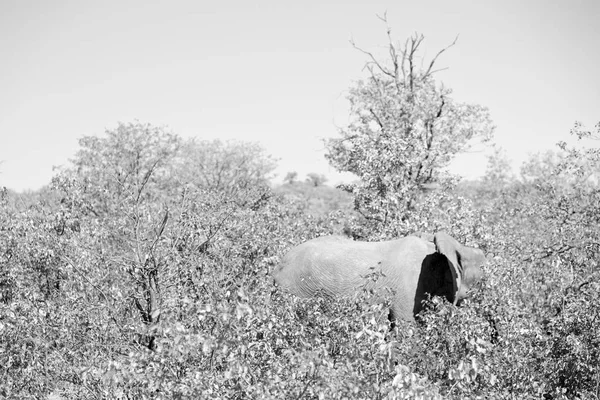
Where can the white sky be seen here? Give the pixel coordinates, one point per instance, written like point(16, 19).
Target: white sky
point(277, 71)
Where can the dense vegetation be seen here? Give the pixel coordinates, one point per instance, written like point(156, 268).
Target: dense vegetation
point(143, 270)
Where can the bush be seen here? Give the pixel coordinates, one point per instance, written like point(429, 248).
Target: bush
point(163, 291)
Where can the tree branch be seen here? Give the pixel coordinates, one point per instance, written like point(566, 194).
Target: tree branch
point(377, 120)
point(392, 50)
point(434, 59)
point(373, 59)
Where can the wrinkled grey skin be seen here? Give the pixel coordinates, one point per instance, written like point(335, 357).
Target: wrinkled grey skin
point(412, 266)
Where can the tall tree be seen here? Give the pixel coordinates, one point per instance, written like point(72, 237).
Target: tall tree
point(117, 185)
point(125, 166)
point(405, 128)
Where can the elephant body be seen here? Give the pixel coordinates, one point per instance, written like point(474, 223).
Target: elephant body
point(411, 267)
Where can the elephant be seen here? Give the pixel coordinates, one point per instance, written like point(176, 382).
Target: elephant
point(413, 266)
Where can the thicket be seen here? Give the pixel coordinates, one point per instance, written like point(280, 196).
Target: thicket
point(143, 271)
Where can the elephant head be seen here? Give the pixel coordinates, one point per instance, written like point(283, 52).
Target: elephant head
point(412, 267)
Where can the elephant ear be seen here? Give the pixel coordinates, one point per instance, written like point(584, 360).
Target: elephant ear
point(463, 262)
point(448, 246)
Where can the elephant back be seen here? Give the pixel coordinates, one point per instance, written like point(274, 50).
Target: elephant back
point(329, 265)
point(334, 265)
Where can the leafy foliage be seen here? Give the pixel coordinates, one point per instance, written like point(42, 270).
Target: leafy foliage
point(223, 166)
point(316, 200)
point(155, 290)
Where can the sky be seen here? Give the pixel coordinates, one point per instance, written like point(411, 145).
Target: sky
point(277, 72)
